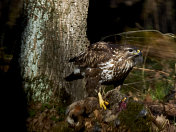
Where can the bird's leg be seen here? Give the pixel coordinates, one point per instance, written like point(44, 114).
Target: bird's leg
point(101, 101)
point(118, 88)
point(102, 90)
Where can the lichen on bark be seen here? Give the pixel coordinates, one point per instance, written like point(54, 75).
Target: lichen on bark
point(55, 32)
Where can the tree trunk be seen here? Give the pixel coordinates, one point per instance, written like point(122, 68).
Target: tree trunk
point(55, 32)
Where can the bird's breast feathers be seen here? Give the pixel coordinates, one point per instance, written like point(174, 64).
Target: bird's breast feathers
point(114, 69)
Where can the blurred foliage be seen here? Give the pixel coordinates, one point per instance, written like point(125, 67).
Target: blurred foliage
point(47, 116)
point(132, 120)
point(161, 90)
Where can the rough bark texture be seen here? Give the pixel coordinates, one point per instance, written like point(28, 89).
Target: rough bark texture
point(55, 32)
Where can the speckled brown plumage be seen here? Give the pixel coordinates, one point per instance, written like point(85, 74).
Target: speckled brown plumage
point(104, 63)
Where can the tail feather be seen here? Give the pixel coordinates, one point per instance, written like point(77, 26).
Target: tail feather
point(73, 76)
point(73, 59)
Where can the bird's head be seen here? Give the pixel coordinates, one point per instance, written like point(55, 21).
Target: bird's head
point(132, 53)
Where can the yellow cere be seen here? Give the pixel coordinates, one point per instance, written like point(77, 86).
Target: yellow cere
point(138, 51)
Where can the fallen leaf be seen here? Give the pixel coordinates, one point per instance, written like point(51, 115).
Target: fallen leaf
point(88, 124)
point(96, 113)
point(148, 99)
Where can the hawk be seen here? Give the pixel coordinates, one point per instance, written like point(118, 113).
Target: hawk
point(104, 64)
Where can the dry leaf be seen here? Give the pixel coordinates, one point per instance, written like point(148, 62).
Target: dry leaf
point(88, 124)
point(96, 113)
point(148, 99)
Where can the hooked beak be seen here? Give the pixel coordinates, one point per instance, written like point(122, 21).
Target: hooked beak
point(138, 59)
point(138, 52)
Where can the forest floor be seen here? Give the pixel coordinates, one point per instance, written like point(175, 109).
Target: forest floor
point(124, 113)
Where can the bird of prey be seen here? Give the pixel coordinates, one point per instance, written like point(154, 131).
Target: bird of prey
point(104, 64)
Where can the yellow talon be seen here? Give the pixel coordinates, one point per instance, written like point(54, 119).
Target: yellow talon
point(123, 100)
point(102, 102)
point(107, 103)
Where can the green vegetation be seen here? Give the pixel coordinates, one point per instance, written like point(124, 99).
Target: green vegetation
point(161, 90)
point(131, 119)
point(32, 113)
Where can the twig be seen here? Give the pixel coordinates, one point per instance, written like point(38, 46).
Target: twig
point(175, 81)
point(143, 72)
point(150, 70)
point(138, 31)
point(133, 88)
point(126, 84)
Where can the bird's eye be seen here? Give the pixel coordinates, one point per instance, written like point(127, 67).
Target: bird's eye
point(130, 50)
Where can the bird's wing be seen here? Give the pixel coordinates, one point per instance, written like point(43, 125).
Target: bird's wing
point(97, 53)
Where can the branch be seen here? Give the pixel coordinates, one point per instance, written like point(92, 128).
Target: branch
point(150, 70)
point(138, 31)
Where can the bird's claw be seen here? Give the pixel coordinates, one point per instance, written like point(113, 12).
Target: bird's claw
point(103, 104)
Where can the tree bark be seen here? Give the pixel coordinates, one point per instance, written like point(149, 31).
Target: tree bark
point(55, 32)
